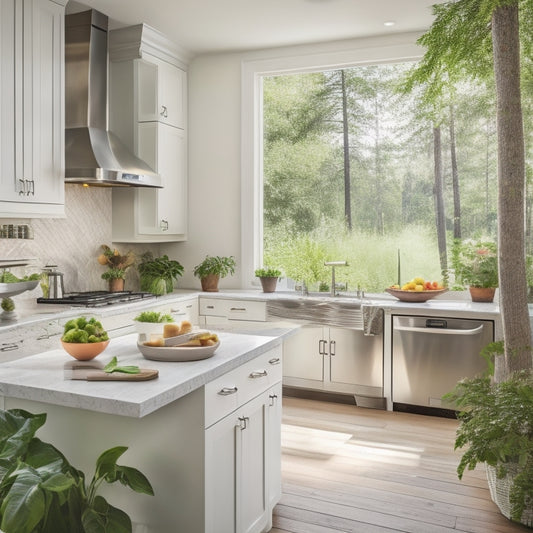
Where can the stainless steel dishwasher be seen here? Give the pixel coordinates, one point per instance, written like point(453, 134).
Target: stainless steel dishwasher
point(430, 355)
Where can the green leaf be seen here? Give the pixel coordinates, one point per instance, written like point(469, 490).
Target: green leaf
point(112, 366)
point(104, 518)
point(133, 478)
point(24, 505)
point(107, 462)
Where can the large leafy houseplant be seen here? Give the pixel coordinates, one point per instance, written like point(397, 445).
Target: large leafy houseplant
point(40, 492)
point(496, 426)
point(157, 274)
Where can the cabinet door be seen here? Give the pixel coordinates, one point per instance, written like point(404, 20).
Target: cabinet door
point(163, 211)
point(273, 466)
point(43, 114)
point(160, 89)
point(31, 108)
point(251, 465)
point(8, 81)
point(355, 358)
point(303, 354)
point(220, 471)
point(235, 470)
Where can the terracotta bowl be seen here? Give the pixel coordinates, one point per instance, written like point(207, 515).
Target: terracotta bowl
point(84, 351)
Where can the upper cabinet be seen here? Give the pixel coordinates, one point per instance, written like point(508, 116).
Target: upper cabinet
point(161, 88)
point(31, 108)
point(147, 110)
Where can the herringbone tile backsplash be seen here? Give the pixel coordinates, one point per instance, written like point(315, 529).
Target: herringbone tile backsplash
point(72, 243)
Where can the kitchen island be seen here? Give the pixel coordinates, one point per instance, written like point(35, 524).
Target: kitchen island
point(188, 430)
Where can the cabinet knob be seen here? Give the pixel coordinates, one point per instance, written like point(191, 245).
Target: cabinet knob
point(226, 391)
point(259, 374)
point(164, 111)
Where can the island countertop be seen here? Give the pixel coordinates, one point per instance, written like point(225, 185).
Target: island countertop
point(42, 377)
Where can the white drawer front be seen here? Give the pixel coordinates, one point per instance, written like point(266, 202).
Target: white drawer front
point(233, 309)
point(235, 388)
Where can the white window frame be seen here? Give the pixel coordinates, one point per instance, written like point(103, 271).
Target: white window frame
point(385, 49)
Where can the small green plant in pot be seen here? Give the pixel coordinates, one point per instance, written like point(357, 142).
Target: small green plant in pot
point(268, 277)
point(211, 269)
point(41, 492)
point(476, 266)
point(157, 274)
point(496, 426)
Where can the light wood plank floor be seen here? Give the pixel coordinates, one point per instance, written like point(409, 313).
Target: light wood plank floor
point(346, 468)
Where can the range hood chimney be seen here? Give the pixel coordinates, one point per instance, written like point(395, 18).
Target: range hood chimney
point(94, 155)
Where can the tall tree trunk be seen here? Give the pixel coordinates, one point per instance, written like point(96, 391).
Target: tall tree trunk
point(438, 192)
point(380, 224)
point(487, 155)
point(511, 189)
point(455, 179)
point(346, 141)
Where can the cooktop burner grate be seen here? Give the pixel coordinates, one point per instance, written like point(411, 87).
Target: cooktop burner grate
point(96, 298)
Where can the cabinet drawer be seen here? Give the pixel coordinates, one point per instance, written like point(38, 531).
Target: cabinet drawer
point(233, 309)
point(235, 388)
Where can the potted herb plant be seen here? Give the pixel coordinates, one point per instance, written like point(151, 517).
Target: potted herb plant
point(157, 274)
point(496, 424)
point(41, 492)
point(211, 269)
point(476, 265)
point(268, 277)
point(118, 264)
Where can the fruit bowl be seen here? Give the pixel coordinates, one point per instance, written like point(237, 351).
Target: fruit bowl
point(415, 296)
point(84, 351)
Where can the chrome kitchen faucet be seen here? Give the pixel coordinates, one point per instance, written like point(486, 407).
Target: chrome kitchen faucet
point(334, 264)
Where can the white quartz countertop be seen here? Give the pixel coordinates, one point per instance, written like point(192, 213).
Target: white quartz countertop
point(41, 377)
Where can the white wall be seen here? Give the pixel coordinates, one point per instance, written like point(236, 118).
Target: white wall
point(214, 165)
point(215, 118)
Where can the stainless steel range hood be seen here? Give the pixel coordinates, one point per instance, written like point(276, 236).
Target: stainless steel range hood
point(94, 155)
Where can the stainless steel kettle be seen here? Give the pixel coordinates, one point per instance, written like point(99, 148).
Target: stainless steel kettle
point(56, 289)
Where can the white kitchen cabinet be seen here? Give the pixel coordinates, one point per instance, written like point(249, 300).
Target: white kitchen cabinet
point(148, 99)
point(243, 448)
point(222, 310)
point(340, 360)
point(160, 92)
point(31, 108)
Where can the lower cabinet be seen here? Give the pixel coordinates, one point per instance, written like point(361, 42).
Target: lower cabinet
point(243, 450)
point(341, 360)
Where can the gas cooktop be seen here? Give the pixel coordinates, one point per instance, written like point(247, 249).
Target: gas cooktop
point(97, 298)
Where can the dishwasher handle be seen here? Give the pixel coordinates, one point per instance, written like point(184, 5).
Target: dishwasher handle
point(441, 331)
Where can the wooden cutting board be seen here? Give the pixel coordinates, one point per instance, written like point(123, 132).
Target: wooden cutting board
point(92, 374)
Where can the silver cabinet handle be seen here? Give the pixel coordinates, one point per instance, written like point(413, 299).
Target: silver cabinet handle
point(440, 331)
point(226, 391)
point(259, 374)
point(164, 111)
point(331, 347)
point(243, 422)
point(210, 306)
point(237, 308)
point(22, 191)
point(275, 361)
point(273, 398)
point(163, 225)
point(10, 346)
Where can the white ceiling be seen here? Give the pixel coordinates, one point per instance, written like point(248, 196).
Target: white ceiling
point(207, 26)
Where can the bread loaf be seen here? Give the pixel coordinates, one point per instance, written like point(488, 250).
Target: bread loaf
point(171, 330)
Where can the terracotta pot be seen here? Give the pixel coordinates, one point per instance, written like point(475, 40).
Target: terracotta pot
point(482, 294)
point(210, 283)
point(269, 284)
point(116, 285)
